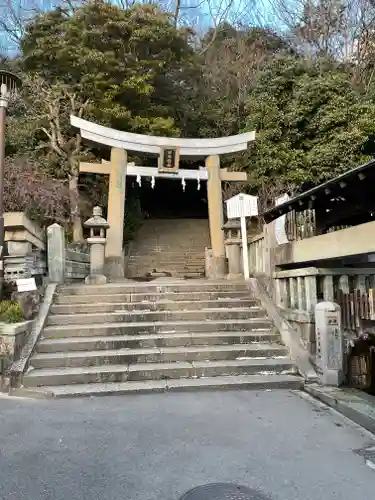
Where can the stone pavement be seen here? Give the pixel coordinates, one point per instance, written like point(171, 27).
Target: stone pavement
point(353, 403)
point(156, 447)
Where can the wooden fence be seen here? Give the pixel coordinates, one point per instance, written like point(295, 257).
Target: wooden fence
point(356, 307)
point(300, 225)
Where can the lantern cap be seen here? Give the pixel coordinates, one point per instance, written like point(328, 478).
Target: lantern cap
point(97, 221)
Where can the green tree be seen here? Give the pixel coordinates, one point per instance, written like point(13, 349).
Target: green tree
point(312, 124)
point(119, 67)
point(229, 65)
point(128, 60)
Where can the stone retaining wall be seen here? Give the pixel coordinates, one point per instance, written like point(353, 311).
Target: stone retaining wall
point(25, 255)
point(13, 338)
point(77, 265)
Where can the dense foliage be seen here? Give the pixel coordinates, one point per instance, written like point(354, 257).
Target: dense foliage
point(136, 69)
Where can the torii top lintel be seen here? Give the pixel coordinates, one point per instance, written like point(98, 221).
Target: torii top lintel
point(152, 144)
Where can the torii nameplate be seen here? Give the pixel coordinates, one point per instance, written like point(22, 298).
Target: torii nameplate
point(169, 159)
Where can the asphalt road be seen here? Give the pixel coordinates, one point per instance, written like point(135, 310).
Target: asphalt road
point(155, 447)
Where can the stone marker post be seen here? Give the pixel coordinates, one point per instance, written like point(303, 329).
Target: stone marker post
point(329, 343)
point(56, 253)
point(97, 242)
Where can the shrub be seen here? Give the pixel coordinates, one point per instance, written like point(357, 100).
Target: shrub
point(10, 311)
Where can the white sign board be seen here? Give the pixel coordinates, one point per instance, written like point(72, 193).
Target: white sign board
point(26, 284)
point(242, 205)
point(239, 207)
point(280, 222)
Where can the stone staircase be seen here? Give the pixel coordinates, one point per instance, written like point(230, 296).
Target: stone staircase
point(157, 336)
point(169, 247)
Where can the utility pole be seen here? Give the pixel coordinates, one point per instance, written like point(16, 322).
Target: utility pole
point(9, 83)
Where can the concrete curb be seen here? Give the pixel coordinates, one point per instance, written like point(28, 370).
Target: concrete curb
point(352, 403)
point(18, 367)
point(289, 336)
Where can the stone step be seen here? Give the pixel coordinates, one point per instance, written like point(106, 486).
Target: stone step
point(188, 247)
point(158, 355)
point(234, 382)
point(151, 306)
point(195, 234)
point(165, 259)
point(176, 255)
point(154, 371)
point(162, 272)
point(256, 325)
point(162, 230)
point(171, 267)
point(160, 266)
point(155, 263)
point(168, 251)
point(130, 298)
point(173, 230)
point(69, 344)
point(171, 270)
point(152, 259)
point(154, 287)
point(183, 221)
point(184, 243)
point(148, 316)
point(150, 256)
point(165, 273)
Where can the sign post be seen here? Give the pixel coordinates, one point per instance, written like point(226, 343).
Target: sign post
point(245, 250)
point(280, 222)
point(239, 207)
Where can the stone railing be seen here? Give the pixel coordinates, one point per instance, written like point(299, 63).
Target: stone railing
point(25, 242)
point(297, 291)
point(256, 254)
point(338, 244)
point(65, 265)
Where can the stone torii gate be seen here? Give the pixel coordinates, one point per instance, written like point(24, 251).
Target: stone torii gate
point(169, 150)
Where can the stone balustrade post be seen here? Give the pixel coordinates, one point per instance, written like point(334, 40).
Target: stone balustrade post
point(281, 293)
point(311, 293)
point(97, 241)
point(328, 288)
point(56, 253)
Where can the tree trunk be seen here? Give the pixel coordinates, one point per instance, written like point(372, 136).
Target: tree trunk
point(75, 213)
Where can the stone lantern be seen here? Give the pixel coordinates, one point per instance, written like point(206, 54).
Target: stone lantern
point(97, 240)
point(232, 232)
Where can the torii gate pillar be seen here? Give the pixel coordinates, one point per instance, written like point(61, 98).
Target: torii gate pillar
point(215, 267)
point(114, 253)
